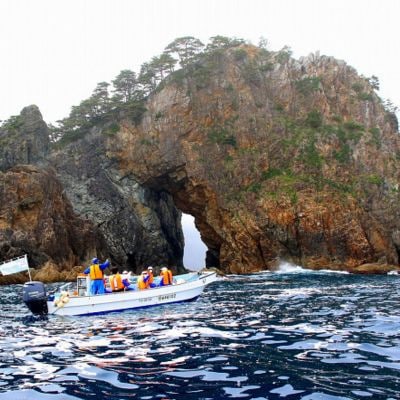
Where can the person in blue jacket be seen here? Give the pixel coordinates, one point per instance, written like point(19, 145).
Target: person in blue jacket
point(95, 271)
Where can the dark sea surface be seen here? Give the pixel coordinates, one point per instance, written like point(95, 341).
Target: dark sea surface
point(287, 335)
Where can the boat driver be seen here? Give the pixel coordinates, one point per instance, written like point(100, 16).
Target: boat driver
point(95, 271)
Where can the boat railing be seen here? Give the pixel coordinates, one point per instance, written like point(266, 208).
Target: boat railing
point(83, 283)
point(66, 286)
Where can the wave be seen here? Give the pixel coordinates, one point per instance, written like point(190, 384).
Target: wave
point(393, 273)
point(284, 267)
point(330, 271)
point(289, 268)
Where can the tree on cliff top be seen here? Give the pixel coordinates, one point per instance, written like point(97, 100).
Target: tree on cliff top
point(153, 72)
point(186, 48)
point(126, 86)
point(222, 42)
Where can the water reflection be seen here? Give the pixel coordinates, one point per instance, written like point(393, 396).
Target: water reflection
point(264, 336)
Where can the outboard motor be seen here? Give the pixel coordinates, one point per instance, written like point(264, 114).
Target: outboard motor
point(34, 296)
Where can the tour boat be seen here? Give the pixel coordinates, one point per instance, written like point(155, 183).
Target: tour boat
point(69, 301)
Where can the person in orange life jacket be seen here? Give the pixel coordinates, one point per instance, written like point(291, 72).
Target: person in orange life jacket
point(116, 282)
point(151, 277)
point(166, 277)
point(95, 271)
point(143, 281)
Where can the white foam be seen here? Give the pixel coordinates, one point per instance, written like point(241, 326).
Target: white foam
point(287, 268)
point(330, 271)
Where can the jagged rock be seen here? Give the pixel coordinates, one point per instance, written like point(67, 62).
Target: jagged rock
point(50, 272)
point(140, 226)
point(136, 226)
point(37, 219)
point(24, 139)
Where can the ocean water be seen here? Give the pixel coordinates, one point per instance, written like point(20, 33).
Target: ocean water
point(293, 334)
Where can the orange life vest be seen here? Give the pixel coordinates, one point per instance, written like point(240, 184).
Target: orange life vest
point(151, 277)
point(95, 272)
point(142, 284)
point(116, 282)
point(166, 277)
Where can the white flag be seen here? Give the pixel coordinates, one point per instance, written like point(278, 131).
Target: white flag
point(14, 266)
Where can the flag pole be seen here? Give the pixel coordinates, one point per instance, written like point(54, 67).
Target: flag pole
point(29, 271)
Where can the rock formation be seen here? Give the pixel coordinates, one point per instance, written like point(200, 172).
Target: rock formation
point(275, 158)
point(37, 219)
point(140, 226)
point(131, 225)
point(24, 139)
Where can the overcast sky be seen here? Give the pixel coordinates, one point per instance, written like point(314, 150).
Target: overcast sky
point(54, 52)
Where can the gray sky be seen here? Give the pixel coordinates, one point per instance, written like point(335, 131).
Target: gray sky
point(54, 52)
point(195, 249)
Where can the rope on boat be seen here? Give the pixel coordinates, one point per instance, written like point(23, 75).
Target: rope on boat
point(62, 300)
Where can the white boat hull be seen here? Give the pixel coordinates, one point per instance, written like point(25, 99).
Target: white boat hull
point(120, 301)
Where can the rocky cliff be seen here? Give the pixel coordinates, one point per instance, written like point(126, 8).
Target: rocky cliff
point(140, 226)
point(37, 219)
point(62, 207)
point(276, 158)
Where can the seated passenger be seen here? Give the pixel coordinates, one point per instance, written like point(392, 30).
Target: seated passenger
point(166, 277)
point(126, 276)
point(107, 286)
point(126, 281)
point(143, 281)
point(151, 277)
point(116, 281)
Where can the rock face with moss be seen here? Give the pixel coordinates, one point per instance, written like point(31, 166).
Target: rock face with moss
point(276, 159)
